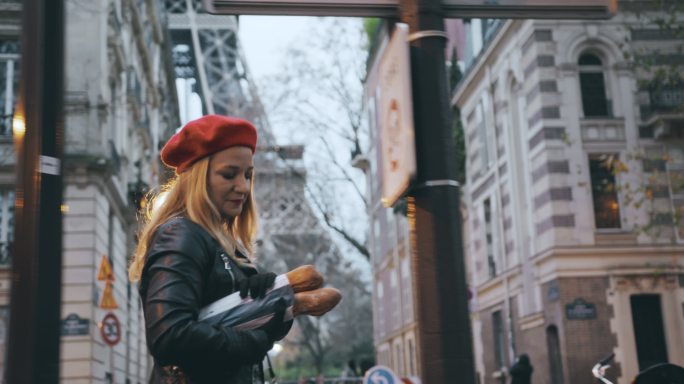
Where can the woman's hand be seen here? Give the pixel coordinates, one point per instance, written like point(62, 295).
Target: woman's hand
point(256, 285)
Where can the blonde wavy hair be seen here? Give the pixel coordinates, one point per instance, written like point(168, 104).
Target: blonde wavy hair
point(186, 195)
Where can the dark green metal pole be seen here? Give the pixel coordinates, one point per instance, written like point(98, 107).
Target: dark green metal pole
point(35, 327)
point(443, 331)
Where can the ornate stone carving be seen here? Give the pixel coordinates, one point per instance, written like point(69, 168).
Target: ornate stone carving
point(647, 282)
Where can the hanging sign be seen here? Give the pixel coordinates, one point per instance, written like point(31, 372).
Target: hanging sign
point(397, 138)
point(108, 301)
point(110, 329)
point(489, 9)
point(105, 271)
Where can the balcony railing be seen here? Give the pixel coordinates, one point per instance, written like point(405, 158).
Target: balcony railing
point(597, 129)
point(663, 100)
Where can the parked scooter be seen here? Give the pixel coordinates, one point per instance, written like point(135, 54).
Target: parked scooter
point(664, 373)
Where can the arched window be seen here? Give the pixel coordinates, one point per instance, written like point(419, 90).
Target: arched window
point(593, 87)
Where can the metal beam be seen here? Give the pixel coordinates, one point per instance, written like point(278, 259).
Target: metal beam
point(490, 9)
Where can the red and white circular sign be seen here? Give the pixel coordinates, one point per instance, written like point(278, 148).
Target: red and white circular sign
point(110, 329)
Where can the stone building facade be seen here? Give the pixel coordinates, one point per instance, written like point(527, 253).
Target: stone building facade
point(120, 103)
point(574, 159)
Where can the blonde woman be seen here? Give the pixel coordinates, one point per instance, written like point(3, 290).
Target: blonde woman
point(194, 249)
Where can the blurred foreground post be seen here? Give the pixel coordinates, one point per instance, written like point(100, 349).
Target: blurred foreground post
point(441, 300)
point(35, 327)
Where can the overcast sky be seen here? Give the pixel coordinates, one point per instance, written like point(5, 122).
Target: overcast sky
point(264, 40)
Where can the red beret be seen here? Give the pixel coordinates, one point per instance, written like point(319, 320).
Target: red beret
point(205, 136)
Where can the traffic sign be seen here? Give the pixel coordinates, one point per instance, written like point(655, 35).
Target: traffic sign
point(108, 301)
point(508, 9)
point(380, 375)
point(105, 271)
point(110, 329)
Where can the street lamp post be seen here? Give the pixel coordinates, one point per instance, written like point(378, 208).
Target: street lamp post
point(438, 266)
point(34, 330)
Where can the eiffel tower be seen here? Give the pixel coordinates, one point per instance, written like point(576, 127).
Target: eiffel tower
point(207, 54)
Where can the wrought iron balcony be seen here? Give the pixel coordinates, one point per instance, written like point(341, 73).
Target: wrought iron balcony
point(665, 111)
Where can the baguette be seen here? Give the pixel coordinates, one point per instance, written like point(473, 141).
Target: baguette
point(316, 302)
point(305, 278)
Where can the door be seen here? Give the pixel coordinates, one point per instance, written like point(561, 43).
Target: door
point(649, 332)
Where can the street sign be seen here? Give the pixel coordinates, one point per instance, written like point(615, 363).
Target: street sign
point(380, 375)
point(397, 141)
point(110, 329)
point(490, 9)
point(73, 325)
point(580, 310)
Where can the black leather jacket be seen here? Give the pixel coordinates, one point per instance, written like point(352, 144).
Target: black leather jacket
point(183, 273)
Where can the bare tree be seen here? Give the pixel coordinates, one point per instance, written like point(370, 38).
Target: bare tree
point(318, 99)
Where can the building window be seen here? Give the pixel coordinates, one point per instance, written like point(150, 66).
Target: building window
point(489, 234)
point(6, 225)
point(377, 240)
point(595, 102)
point(484, 134)
point(399, 359)
point(411, 369)
point(9, 83)
point(604, 191)
point(499, 341)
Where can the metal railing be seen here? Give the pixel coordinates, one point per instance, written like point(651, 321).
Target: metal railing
point(667, 99)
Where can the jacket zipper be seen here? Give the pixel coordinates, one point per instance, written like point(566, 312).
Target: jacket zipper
point(226, 265)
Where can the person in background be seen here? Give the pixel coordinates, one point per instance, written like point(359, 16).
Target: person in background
point(350, 371)
point(194, 248)
point(365, 365)
point(521, 371)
